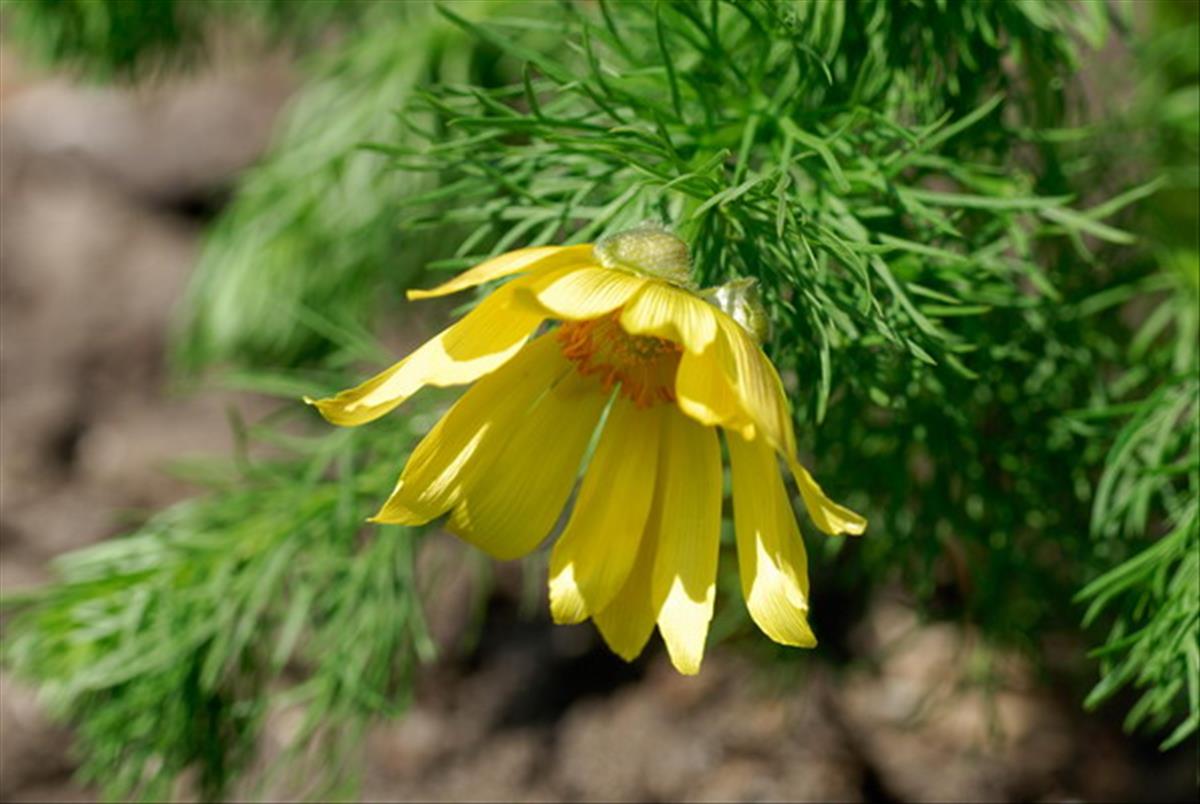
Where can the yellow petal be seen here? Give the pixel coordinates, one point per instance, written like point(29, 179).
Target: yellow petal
point(628, 620)
point(669, 312)
point(585, 293)
point(509, 509)
point(689, 529)
point(771, 557)
point(469, 435)
point(539, 259)
point(478, 344)
point(704, 392)
point(757, 386)
point(592, 558)
point(830, 517)
point(733, 384)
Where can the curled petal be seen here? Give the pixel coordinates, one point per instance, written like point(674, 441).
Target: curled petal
point(576, 295)
point(830, 517)
point(734, 385)
point(704, 392)
point(664, 311)
point(756, 385)
point(536, 260)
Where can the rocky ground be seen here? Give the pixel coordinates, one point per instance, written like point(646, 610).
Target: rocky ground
point(103, 195)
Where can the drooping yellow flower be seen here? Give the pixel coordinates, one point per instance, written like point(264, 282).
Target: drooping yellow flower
point(659, 368)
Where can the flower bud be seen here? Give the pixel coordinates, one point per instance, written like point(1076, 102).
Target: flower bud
point(739, 299)
point(650, 250)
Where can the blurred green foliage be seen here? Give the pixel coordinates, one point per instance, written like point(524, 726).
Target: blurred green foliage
point(131, 39)
point(313, 230)
point(982, 282)
point(1145, 519)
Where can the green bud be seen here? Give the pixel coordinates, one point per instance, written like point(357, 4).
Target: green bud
point(650, 250)
point(739, 299)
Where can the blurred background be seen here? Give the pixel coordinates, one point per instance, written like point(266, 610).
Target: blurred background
point(105, 193)
point(111, 192)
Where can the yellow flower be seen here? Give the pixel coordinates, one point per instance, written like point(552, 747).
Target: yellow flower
point(662, 367)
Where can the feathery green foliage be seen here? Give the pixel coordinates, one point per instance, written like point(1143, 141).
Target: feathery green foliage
point(1146, 508)
point(1153, 470)
point(314, 229)
point(172, 646)
point(1151, 488)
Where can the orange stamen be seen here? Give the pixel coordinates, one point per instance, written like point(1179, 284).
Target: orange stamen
point(644, 366)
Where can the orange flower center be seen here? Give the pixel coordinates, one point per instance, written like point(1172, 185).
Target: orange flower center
point(643, 365)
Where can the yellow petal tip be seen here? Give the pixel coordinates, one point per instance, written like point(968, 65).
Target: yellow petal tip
point(686, 665)
point(807, 643)
point(830, 517)
point(397, 516)
point(626, 654)
point(566, 614)
point(796, 636)
point(845, 522)
point(566, 604)
point(332, 411)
